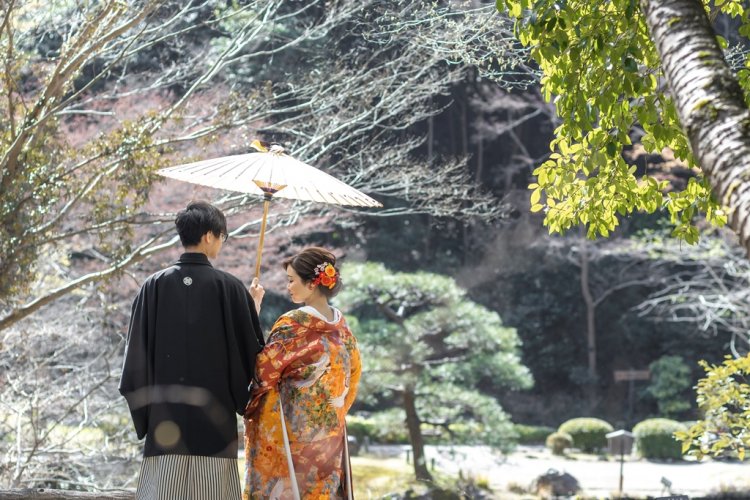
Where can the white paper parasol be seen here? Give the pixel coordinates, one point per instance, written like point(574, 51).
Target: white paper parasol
point(269, 172)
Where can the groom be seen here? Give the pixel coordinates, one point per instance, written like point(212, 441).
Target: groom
point(192, 342)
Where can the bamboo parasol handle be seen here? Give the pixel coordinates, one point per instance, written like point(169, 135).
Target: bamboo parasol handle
point(266, 203)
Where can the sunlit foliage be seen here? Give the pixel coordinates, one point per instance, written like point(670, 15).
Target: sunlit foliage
point(600, 68)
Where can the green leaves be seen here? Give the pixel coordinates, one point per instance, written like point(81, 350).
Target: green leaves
point(419, 330)
point(670, 380)
point(724, 398)
point(733, 8)
point(601, 70)
point(684, 206)
point(588, 182)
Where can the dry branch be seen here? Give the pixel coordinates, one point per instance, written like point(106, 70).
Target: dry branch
point(47, 494)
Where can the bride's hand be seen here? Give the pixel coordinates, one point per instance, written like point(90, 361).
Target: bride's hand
point(257, 292)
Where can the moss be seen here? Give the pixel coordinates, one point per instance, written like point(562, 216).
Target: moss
point(724, 81)
point(730, 189)
point(705, 108)
point(701, 104)
point(673, 20)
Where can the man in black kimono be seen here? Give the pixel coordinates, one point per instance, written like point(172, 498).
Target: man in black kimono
point(193, 338)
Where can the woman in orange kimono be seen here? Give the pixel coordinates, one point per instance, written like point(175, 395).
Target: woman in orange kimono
point(311, 365)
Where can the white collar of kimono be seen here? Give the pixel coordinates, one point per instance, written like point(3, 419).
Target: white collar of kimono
point(314, 312)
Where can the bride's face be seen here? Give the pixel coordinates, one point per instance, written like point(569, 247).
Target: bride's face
point(299, 291)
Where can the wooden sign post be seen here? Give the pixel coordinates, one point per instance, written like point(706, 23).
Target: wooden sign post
point(630, 376)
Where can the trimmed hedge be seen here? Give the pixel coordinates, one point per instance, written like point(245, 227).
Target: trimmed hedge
point(589, 434)
point(532, 434)
point(558, 442)
point(385, 427)
point(361, 428)
point(654, 438)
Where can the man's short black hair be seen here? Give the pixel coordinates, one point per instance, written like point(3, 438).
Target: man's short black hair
point(197, 219)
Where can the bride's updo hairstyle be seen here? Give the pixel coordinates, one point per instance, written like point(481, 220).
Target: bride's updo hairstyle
point(316, 265)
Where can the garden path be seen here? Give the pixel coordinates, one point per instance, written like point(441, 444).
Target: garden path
point(597, 477)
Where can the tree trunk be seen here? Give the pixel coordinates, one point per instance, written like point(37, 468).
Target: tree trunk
point(709, 102)
point(47, 494)
point(415, 436)
point(430, 137)
point(588, 300)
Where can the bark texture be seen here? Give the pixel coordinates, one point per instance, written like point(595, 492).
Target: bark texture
point(709, 102)
point(415, 435)
point(588, 300)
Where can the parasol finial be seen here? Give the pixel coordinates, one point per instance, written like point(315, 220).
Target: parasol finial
point(259, 145)
point(267, 147)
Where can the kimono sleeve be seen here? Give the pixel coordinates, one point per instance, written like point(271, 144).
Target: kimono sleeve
point(355, 373)
point(135, 380)
point(275, 357)
point(244, 342)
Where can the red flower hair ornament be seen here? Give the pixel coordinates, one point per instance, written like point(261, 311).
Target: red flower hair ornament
point(326, 275)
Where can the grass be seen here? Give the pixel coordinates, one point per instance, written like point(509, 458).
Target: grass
point(376, 477)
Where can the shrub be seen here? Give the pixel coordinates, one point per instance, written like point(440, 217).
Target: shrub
point(589, 434)
point(654, 438)
point(532, 434)
point(670, 382)
point(558, 442)
point(390, 426)
point(462, 433)
point(360, 427)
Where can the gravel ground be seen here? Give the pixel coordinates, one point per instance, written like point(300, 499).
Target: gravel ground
point(597, 477)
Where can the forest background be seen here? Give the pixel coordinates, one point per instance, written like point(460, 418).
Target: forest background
point(434, 109)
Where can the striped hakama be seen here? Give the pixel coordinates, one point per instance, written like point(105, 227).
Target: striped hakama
point(188, 477)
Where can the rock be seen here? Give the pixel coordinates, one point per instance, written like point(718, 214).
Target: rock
point(554, 483)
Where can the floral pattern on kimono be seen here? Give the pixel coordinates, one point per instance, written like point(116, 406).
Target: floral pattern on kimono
point(314, 366)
